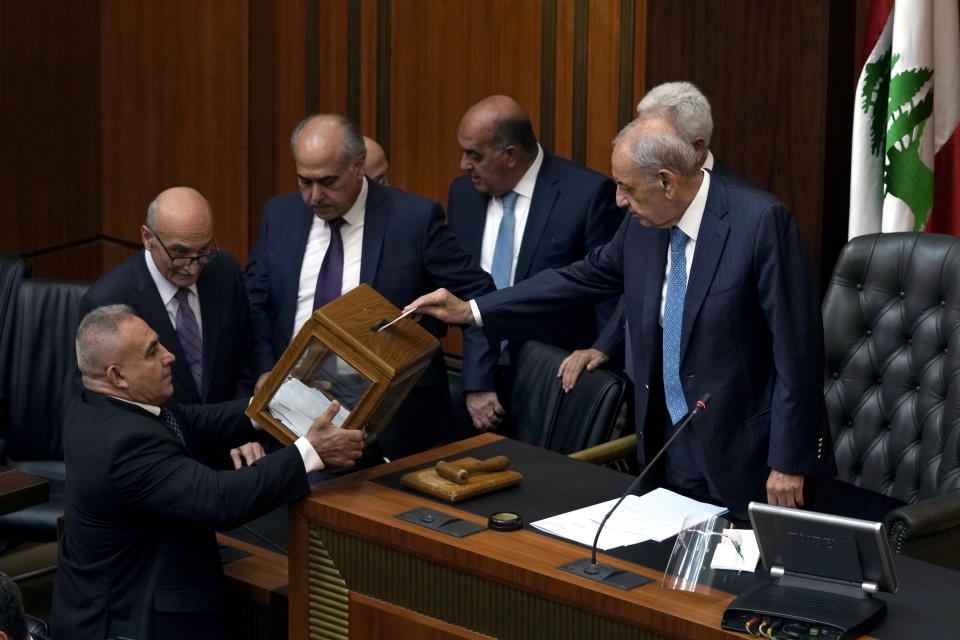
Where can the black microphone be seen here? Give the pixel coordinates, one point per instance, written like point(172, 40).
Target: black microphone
point(602, 572)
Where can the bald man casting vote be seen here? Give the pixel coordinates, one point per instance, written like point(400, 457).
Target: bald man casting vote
point(139, 555)
point(718, 297)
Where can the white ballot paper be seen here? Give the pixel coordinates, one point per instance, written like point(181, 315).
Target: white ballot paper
point(738, 551)
point(653, 516)
point(296, 406)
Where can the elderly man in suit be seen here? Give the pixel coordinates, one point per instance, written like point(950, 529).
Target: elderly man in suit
point(139, 556)
point(517, 211)
point(342, 229)
point(718, 297)
point(191, 293)
point(688, 110)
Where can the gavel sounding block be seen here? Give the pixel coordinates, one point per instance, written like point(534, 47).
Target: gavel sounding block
point(430, 482)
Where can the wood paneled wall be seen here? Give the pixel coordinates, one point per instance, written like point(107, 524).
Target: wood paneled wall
point(106, 102)
point(778, 75)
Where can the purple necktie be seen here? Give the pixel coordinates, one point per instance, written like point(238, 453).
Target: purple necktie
point(330, 278)
point(189, 334)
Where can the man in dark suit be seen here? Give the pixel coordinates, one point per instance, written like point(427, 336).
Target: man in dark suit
point(139, 556)
point(688, 110)
point(518, 211)
point(731, 312)
point(191, 293)
point(342, 229)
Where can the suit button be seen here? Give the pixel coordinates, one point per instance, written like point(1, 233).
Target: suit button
point(869, 333)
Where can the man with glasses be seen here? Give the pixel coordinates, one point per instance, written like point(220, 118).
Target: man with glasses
point(192, 294)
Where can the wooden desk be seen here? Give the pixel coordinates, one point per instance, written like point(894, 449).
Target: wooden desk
point(356, 571)
point(19, 490)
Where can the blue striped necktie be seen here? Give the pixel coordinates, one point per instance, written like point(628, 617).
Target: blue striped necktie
point(673, 325)
point(188, 333)
point(503, 250)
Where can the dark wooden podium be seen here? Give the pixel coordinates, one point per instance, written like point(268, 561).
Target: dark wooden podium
point(358, 572)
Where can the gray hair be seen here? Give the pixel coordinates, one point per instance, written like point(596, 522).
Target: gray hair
point(152, 209)
point(97, 336)
point(658, 150)
point(684, 105)
point(353, 145)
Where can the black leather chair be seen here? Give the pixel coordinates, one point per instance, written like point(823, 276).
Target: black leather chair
point(565, 422)
point(39, 378)
point(892, 339)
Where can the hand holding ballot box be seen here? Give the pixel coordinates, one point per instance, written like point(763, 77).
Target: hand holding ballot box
point(339, 355)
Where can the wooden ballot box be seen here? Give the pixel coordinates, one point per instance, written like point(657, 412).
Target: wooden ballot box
point(338, 354)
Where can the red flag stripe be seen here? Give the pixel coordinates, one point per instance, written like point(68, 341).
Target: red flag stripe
point(945, 214)
point(877, 16)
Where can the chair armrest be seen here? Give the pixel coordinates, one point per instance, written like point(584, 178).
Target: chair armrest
point(922, 518)
point(608, 451)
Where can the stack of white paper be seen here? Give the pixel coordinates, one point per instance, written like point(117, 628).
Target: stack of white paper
point(296, 406)
point(657, 515)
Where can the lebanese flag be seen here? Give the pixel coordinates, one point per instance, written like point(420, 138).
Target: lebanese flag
point(905, 168)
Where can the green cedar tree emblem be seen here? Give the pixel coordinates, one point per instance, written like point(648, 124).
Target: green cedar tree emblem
point(897, 129)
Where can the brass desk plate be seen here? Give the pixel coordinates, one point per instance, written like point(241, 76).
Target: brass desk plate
point(339, 355)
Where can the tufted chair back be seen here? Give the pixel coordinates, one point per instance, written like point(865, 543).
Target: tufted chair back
point(891, 321)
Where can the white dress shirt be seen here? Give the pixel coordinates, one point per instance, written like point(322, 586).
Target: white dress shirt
point(317, 244)
point(690, 225)
point(521, 210)
point(168, 291)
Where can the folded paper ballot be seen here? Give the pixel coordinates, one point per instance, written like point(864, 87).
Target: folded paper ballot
point(296, 406)
point(656, 515)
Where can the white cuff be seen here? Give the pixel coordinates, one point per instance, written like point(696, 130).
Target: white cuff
point(477, 320)
point(311, 459)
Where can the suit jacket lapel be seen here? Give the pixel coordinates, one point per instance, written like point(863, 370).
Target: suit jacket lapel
point(475, 219)
point(374, 228)
point(656, 264)
point(710, 243)
point(545, 193)
point(151, 307)
point(211, 318)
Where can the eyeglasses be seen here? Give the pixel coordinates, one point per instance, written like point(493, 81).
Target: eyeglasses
point(186, 261)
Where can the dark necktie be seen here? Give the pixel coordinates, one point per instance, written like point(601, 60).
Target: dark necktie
point(189, 335)
point(673, 325)
point(330, 278)
point(173, 424)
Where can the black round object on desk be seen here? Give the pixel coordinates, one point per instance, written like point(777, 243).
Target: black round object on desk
point(504, 521)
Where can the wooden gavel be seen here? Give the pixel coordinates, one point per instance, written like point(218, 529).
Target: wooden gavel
point(460, 473)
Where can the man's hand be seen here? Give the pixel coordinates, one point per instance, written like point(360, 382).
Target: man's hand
point(336, 447)
point(485, 409)
point(784, 490)
point(260, 381)
point(246, 453)
point(574, 364)
point(444, 306)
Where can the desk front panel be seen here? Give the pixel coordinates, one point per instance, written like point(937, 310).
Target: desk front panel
point(504, 585)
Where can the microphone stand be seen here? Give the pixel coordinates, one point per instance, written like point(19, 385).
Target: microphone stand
point(605, 573)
